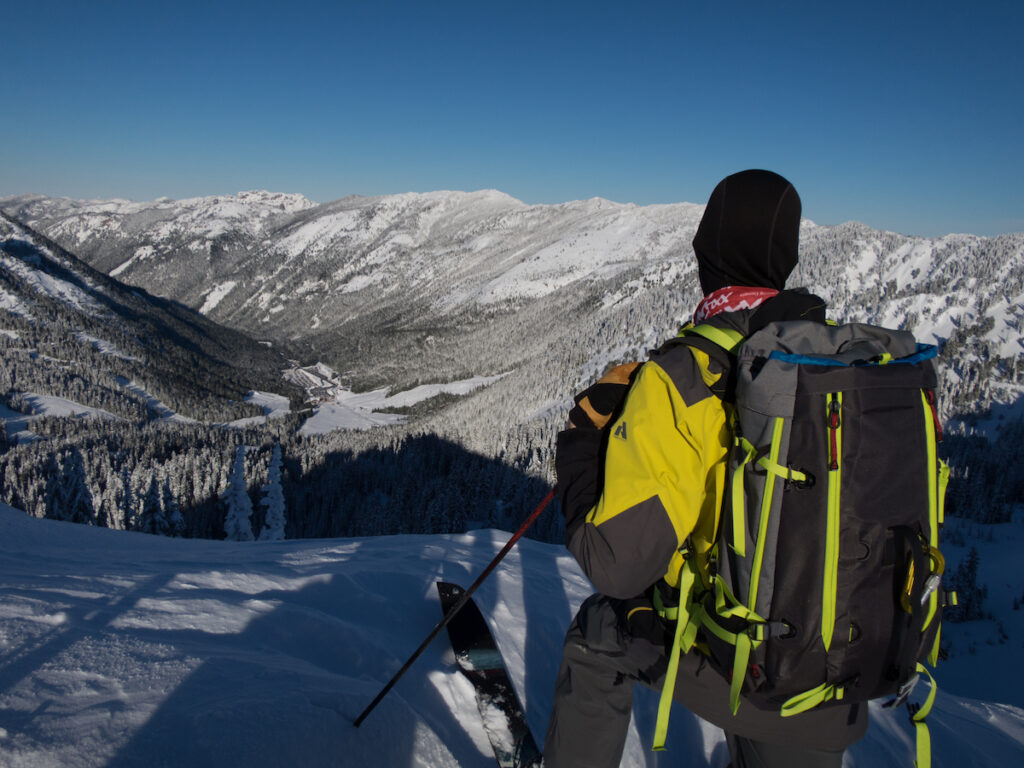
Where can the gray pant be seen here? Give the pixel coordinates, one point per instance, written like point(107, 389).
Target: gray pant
point(594, 702)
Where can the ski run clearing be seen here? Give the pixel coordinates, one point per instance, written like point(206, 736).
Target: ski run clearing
point(365, 410)
point(347, 410)
point(121, 649)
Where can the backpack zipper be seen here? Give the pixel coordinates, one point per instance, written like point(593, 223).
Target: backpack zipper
point(831, 573)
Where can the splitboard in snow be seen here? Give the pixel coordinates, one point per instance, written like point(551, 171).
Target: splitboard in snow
point(480, 661)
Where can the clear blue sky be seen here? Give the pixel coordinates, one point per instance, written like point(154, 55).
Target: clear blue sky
point(904, 115)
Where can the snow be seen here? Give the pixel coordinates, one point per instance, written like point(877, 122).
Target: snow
point(598, 244)
point(47, 405)
point(48, 285)
point(122, 649)
point(11, 303)
point(999, 569)
point(216, 295)
point(274, 407)
point(104, 347)
point(351, 410)
point(140, 254)
point(315, 236)
point(1008, 317)
point(155, 406)
point(328, 417)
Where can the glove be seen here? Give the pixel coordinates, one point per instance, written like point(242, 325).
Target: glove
point(597, 403)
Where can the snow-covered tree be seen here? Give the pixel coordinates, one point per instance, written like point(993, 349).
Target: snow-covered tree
point(151, 518)
point(238, 520)
point(67, 493)
point(273, 500)
point(172, 510)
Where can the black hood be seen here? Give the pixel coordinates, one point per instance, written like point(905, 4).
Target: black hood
point(749, 233)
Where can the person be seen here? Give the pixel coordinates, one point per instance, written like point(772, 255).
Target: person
point(641, 471)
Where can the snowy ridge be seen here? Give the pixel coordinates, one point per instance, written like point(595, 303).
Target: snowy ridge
point(74, 332)
point(453, 249)
point(264, 653)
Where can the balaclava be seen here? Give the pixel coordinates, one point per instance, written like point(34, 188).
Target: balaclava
point(749, 233)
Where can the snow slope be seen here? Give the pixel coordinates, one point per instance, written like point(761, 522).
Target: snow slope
point(365, 410)
point(121, 649)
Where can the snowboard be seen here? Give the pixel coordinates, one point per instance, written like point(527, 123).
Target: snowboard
point(480, 661)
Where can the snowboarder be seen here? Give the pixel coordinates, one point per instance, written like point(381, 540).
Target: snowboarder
point(633, 497)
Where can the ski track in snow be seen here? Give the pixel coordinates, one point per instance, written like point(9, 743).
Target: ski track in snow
point(122, 649)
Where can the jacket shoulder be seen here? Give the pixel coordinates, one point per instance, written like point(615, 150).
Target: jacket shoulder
point(692, 371)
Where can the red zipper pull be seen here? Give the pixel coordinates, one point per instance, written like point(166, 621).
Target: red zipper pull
point(929, 395)
point(833, 431)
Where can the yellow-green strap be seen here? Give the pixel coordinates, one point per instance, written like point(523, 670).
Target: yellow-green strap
point(739, 670)
point(682, 640)
point(933, 654)
point(667, 612)
point(727, 338)
point(767, 498)
point(728, 606)
point(933, 471)
point(943, 483)
point(766, 463)
point(718, 630)
point(812, 698)
point(739, 516)
point(924, 739)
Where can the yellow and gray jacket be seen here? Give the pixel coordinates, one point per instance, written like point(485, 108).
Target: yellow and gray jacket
point(634, 493)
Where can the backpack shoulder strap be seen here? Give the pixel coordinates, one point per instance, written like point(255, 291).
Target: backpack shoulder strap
point(719, 344)
point(726, 338)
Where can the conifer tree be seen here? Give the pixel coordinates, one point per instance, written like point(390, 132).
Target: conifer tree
point(273, 500)
point(67, 493)
point(238, 518)
point(151, 519)
point(172, 511)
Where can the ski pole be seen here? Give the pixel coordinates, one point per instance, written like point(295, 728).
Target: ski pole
point(458, 606)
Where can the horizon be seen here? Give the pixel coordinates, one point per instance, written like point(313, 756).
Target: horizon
point(902, 119)
point(164, 198)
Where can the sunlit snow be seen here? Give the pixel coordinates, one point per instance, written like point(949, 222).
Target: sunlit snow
point(364, 410)
point(122, 649)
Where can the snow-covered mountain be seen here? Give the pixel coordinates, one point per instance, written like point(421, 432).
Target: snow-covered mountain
point(402, 291)
point(124, 650)
point(407, 289)
point(68, 329)
point(309, 267)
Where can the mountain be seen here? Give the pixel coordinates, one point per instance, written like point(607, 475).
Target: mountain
point(71, 330)
point(401, 291)
point(423, 288)
point(391, 290)
point(122, 650)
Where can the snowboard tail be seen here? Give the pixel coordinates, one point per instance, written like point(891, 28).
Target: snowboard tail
point(480, 660)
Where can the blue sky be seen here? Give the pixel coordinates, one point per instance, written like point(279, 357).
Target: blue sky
point(906, 116)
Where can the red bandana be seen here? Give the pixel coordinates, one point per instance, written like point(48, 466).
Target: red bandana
point(730, 299)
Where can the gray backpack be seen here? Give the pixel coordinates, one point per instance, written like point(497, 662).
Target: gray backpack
point(825, 580)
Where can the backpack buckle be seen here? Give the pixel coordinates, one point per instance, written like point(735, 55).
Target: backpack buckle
point(802, 485)
point(930, 585)
point(903, 693)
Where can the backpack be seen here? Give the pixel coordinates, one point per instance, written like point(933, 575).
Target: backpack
point(825, 579)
